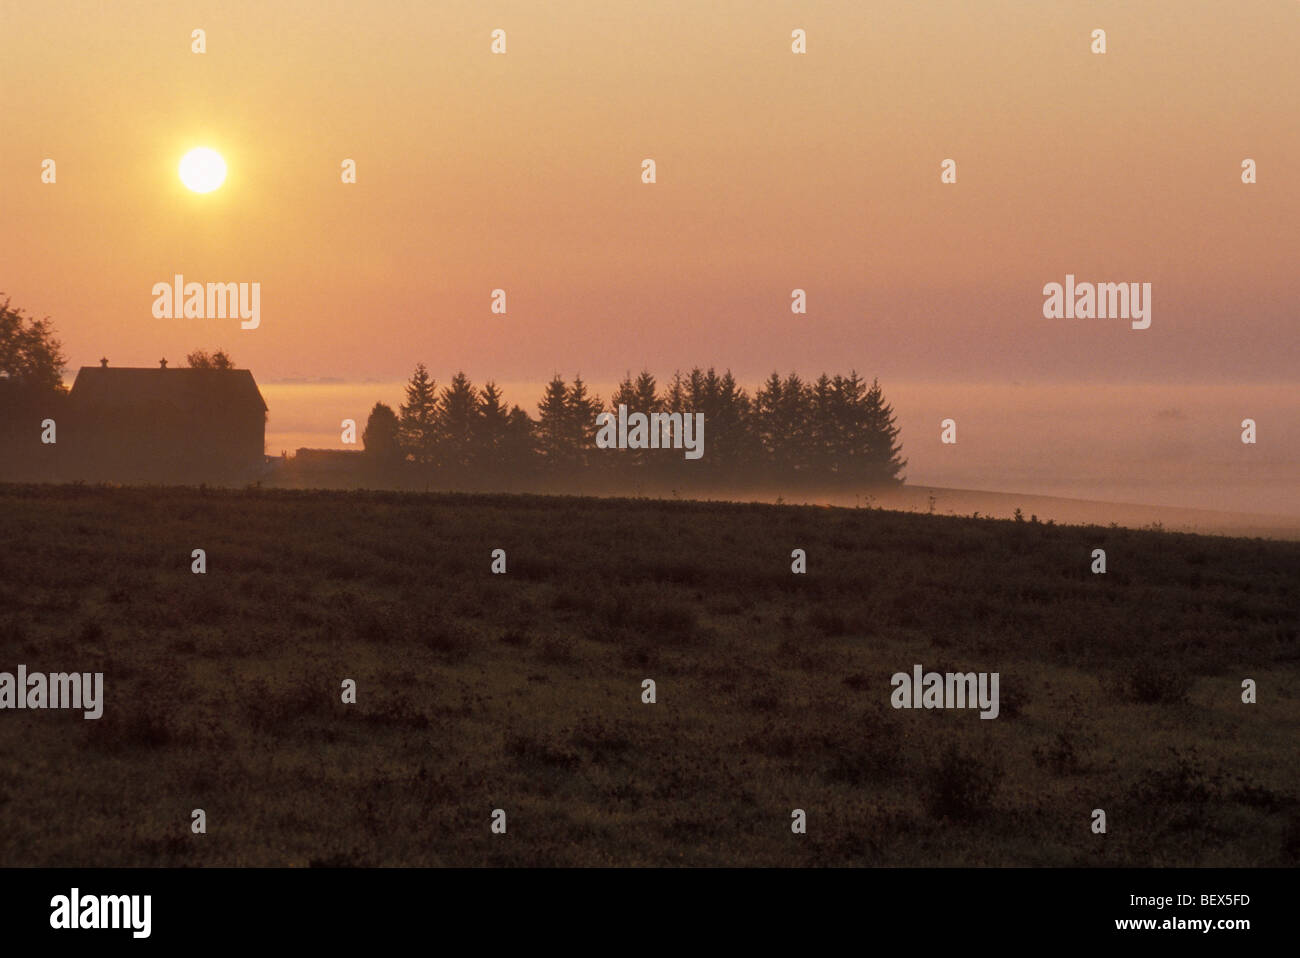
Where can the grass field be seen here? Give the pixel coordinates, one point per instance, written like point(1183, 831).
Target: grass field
point(523, 691)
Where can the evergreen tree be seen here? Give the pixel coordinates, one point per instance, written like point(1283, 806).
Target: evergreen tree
point(458, 425)
point(553, 425)
point(766, 431)
point(825, 421)
point(519, 445)
point(783, 410)
point(731, 434)
point(834, 427)
point(853, 446)
point(674, 399)
point(581, 411)
point(884, 462)
point(493, 424)
point(638, 396)
point(726, 410)
point(380, 437)
point(626, 395)
point(418, 425)
point(625, 462)
point(795, 416)
point(664, 461)
point(647, 401)
point(701, 391)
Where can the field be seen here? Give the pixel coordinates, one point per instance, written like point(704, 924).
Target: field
point(523, 691)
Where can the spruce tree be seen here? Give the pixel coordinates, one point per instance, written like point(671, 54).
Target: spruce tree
point(728, 431)
point(458, 427)
point(492, 425)
point(823, 435)
point(553, 425)
point(647, 399)
point(793, 421)
point(519, 444)
point(419, 419)
point(884, 463)
point(581, 412)
point(768, 440)
point(853, 426)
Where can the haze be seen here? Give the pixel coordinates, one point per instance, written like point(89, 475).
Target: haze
point(775, 172)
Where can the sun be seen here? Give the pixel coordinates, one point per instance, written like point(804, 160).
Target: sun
point(203, 170)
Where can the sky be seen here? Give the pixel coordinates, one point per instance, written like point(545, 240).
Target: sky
point(775, 171)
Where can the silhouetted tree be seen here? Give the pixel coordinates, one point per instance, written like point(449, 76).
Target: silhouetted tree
point(823, 428)
point(492, 425)
point(835, 429)
point(851, 449)
point(458, 425)
point(625, 394)
point(784, 411)
point(418, 430)
point(730, 433)
point(201, 359)
point(795, 417)
point(519, 448)
point(380, 437)
point(674, 398)
point(31, 391)
point(643, 391)
point(553, 425)
point(581, 409)
point(665, 461)
point(638, 396)
point(30, 356)
point(884, 462)
point(767, 420)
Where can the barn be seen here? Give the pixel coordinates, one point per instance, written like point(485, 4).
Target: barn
point(158, 424)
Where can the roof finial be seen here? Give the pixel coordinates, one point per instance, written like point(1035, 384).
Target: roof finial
point(162, 363)
point(103, 363)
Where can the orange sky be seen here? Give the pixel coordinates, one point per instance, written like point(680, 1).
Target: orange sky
point(775, 171)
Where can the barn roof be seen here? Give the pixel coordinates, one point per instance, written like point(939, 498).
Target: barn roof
point(184, 388)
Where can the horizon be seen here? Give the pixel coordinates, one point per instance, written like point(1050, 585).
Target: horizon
point(1170, 454)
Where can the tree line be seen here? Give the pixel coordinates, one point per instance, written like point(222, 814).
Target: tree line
point(828, 429)
point(824, 430)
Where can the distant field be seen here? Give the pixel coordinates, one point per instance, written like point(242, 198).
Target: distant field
point(523, 691)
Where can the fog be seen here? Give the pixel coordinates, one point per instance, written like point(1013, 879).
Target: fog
point(1157, 445)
